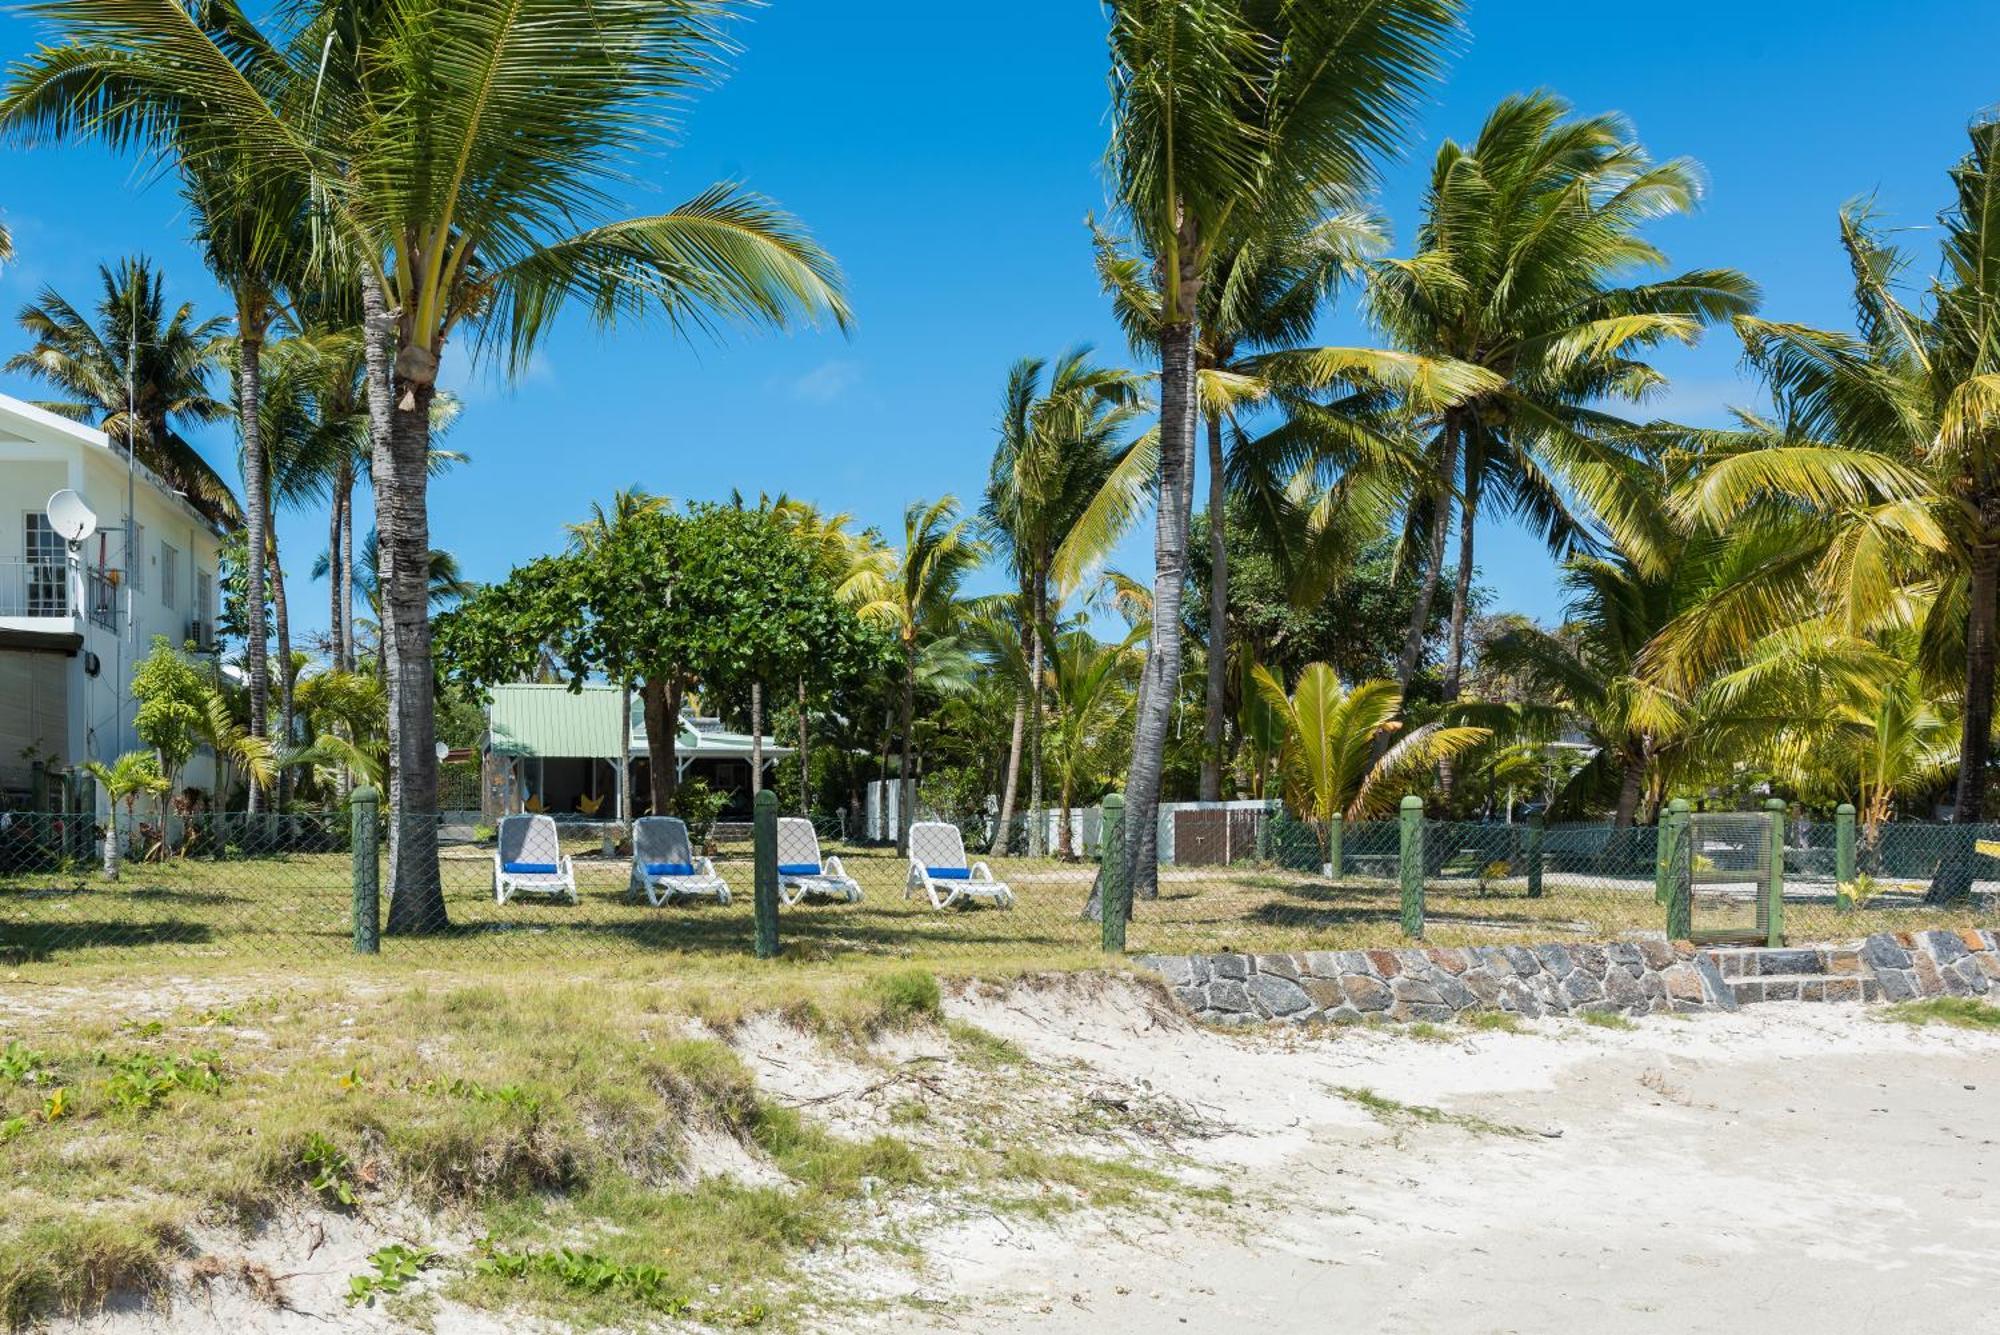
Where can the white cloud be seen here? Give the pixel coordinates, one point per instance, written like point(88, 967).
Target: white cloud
point(827, 381)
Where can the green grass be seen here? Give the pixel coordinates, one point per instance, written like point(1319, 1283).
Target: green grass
point(1502, 1022)
point(1606, 1020)
point(1955, 1012)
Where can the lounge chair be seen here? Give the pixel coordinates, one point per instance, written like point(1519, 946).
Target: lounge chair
point(801, 870)
point(530, 861)
point(664, 866)
point(938, 868)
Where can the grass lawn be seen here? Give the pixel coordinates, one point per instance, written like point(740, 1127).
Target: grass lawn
point(298, 907)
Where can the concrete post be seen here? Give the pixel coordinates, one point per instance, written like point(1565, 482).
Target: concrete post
point(1843, 856)
point(1410, 866)
point(365, 809)
point(1771, 907)
point(764, 899)
point(1336, 860)
point(1114, 904)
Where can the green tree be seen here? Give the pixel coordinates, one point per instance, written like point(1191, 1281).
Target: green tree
point(917, 602)
point(1331, 760)
point(1231, 120)
point(1528, 237)
point(173, 696)
point(1066, 483)
point(165, 357)
point(132, 776)
point(1091, 686)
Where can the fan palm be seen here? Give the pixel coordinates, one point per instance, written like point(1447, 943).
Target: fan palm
point(1231, 120)
point(168, 358)
point(917, 601)
point(1330, 760)
point(1065, 485)
point(462, 157)
point(1527, 238)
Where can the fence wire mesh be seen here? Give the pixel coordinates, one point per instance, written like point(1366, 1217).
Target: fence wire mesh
point(275, 888)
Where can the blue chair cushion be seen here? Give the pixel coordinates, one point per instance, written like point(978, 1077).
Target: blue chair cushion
point(949, 873)
point(529, 868)
point(798, 869)
point(669, 869)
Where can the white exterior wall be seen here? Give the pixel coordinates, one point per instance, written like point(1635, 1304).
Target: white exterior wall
point(41, 454)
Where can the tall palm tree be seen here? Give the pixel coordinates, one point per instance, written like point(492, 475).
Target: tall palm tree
point(6, 244)
point(1231, 119)
point(917, 600)
point(462, 157)
point(168, 357)
point(1065, 485)
point(1528, 236)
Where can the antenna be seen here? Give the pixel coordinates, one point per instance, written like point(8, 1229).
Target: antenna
point(70, 516)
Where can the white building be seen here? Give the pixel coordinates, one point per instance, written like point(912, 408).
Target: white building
point(73, 623)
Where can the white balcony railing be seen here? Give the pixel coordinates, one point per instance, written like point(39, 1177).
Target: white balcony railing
point(33, 588)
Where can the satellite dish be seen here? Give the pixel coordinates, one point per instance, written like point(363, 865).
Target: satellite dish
point(69, 516)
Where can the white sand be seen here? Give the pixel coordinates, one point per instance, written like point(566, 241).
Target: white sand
point(1790, 1168)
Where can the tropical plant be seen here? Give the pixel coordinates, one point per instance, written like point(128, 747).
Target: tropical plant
point(1330, 760)
point(917, 602)
point(172, 695)
point(1065, 485)
point(134, 346)
point(1528, 240)
point(1090, 684)
point(1232, 120)
point(125, 780)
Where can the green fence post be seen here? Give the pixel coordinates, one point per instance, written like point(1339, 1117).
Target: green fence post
point(1531, 853)
point(1771, 910)
point(1678, 857)
point(1336, 860)
point(1843, 856)
point(1410, 866)
point(365, 809)
point(764, 896)
point(1113, 905)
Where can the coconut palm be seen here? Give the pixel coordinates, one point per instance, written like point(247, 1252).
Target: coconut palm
point(917, 601)
point(128, 778)
point(1090, 685)
point(1528, 239)
point(1232, 120)
point(461, 158)
point(1331, 761)
point(6, 244)
point(1066, 483)
point(166, 358)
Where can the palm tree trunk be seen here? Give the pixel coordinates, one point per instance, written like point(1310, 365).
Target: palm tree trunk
point(1159, 680)
point(1953, 882)
point(906, 784)
point(756, 739)
point(660, 703)
point(1065, 845)
point(256, 517)
point(401, 469)
point(1038, 824)
point(1630, 788)
point(1420, 614)
point(1004, 837)
point(1218, 615)
point(286, 710)
point(112, 851)
point(1461, 597)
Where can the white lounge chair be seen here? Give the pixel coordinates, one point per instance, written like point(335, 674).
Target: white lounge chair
point(938, 868)
point(801, 870)
point(664, 866)
point(530, 861)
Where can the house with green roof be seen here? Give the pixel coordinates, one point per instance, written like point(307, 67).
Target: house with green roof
point(566, 751)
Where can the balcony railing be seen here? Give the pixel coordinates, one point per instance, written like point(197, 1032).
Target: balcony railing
point(100, 599)
point(30, 588)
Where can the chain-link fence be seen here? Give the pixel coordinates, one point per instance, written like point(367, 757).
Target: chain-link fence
point(273, 888)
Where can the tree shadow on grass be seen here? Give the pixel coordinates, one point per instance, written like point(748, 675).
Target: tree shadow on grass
point(23, 943)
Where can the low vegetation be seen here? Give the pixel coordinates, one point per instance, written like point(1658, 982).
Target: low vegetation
point(1955, 1012)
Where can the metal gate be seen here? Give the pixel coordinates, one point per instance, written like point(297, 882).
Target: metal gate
point(1731, 873)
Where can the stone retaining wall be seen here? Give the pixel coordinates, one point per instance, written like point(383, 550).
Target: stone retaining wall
point(1632, 977)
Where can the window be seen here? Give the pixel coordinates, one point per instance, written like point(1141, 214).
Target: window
point(48, 568)
point(204, 603)
point(170, 572)
point(137, 574)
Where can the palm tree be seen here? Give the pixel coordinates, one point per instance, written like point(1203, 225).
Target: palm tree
point(1594, 668)
point(1233, 120)
point(461, 160)
point(1065, 485)
point(917, 600)
point(125, 781)
point(1091, 684)
point(1527, 238)
point(165, 358)
point(6, 244)
point(1331, 760)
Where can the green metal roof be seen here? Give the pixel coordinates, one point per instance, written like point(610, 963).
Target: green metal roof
point(534, 720)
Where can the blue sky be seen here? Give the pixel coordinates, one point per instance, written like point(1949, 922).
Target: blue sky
point(947, 155)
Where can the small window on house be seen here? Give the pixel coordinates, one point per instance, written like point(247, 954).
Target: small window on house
point(170, 572)
point(204, 602)
point(48, 567)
